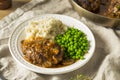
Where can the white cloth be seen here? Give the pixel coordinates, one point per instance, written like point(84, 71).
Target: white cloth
point(104, 65)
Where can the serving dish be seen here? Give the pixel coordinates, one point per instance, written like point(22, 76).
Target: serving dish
point(19, 34)
point(96, 18)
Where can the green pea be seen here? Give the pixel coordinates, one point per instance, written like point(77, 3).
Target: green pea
point(81, 57)
point(74, 42)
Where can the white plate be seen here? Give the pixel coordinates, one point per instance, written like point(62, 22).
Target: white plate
point(19, 34)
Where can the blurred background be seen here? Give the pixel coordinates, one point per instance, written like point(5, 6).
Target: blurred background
point(14, 4)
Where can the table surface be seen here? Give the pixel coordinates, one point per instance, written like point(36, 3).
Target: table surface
point(15, 4)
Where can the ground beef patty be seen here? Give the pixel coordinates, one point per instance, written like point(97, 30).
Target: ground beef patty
point(113, 10)
point(91, 5)
point(42, 52)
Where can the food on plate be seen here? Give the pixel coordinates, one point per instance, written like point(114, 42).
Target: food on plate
point(50, 43)
point(42, 52)
point(109, 8)
point(47, 28)
point(74, 42)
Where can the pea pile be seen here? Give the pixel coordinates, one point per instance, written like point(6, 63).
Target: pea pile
point(74, 42)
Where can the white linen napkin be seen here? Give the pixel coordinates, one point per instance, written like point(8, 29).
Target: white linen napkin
point(104, 65)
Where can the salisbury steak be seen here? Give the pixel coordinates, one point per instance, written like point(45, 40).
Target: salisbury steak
point(42, 52)
point(91, 5)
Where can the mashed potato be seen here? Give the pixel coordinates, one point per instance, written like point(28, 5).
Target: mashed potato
point(47, 28)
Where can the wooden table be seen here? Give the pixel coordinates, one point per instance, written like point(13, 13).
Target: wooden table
point(15, 4)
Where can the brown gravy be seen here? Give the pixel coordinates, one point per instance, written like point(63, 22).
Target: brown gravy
point(109, 8)
point(44, 53)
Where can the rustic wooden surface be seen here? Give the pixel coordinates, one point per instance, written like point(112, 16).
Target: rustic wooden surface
point(15, 4)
